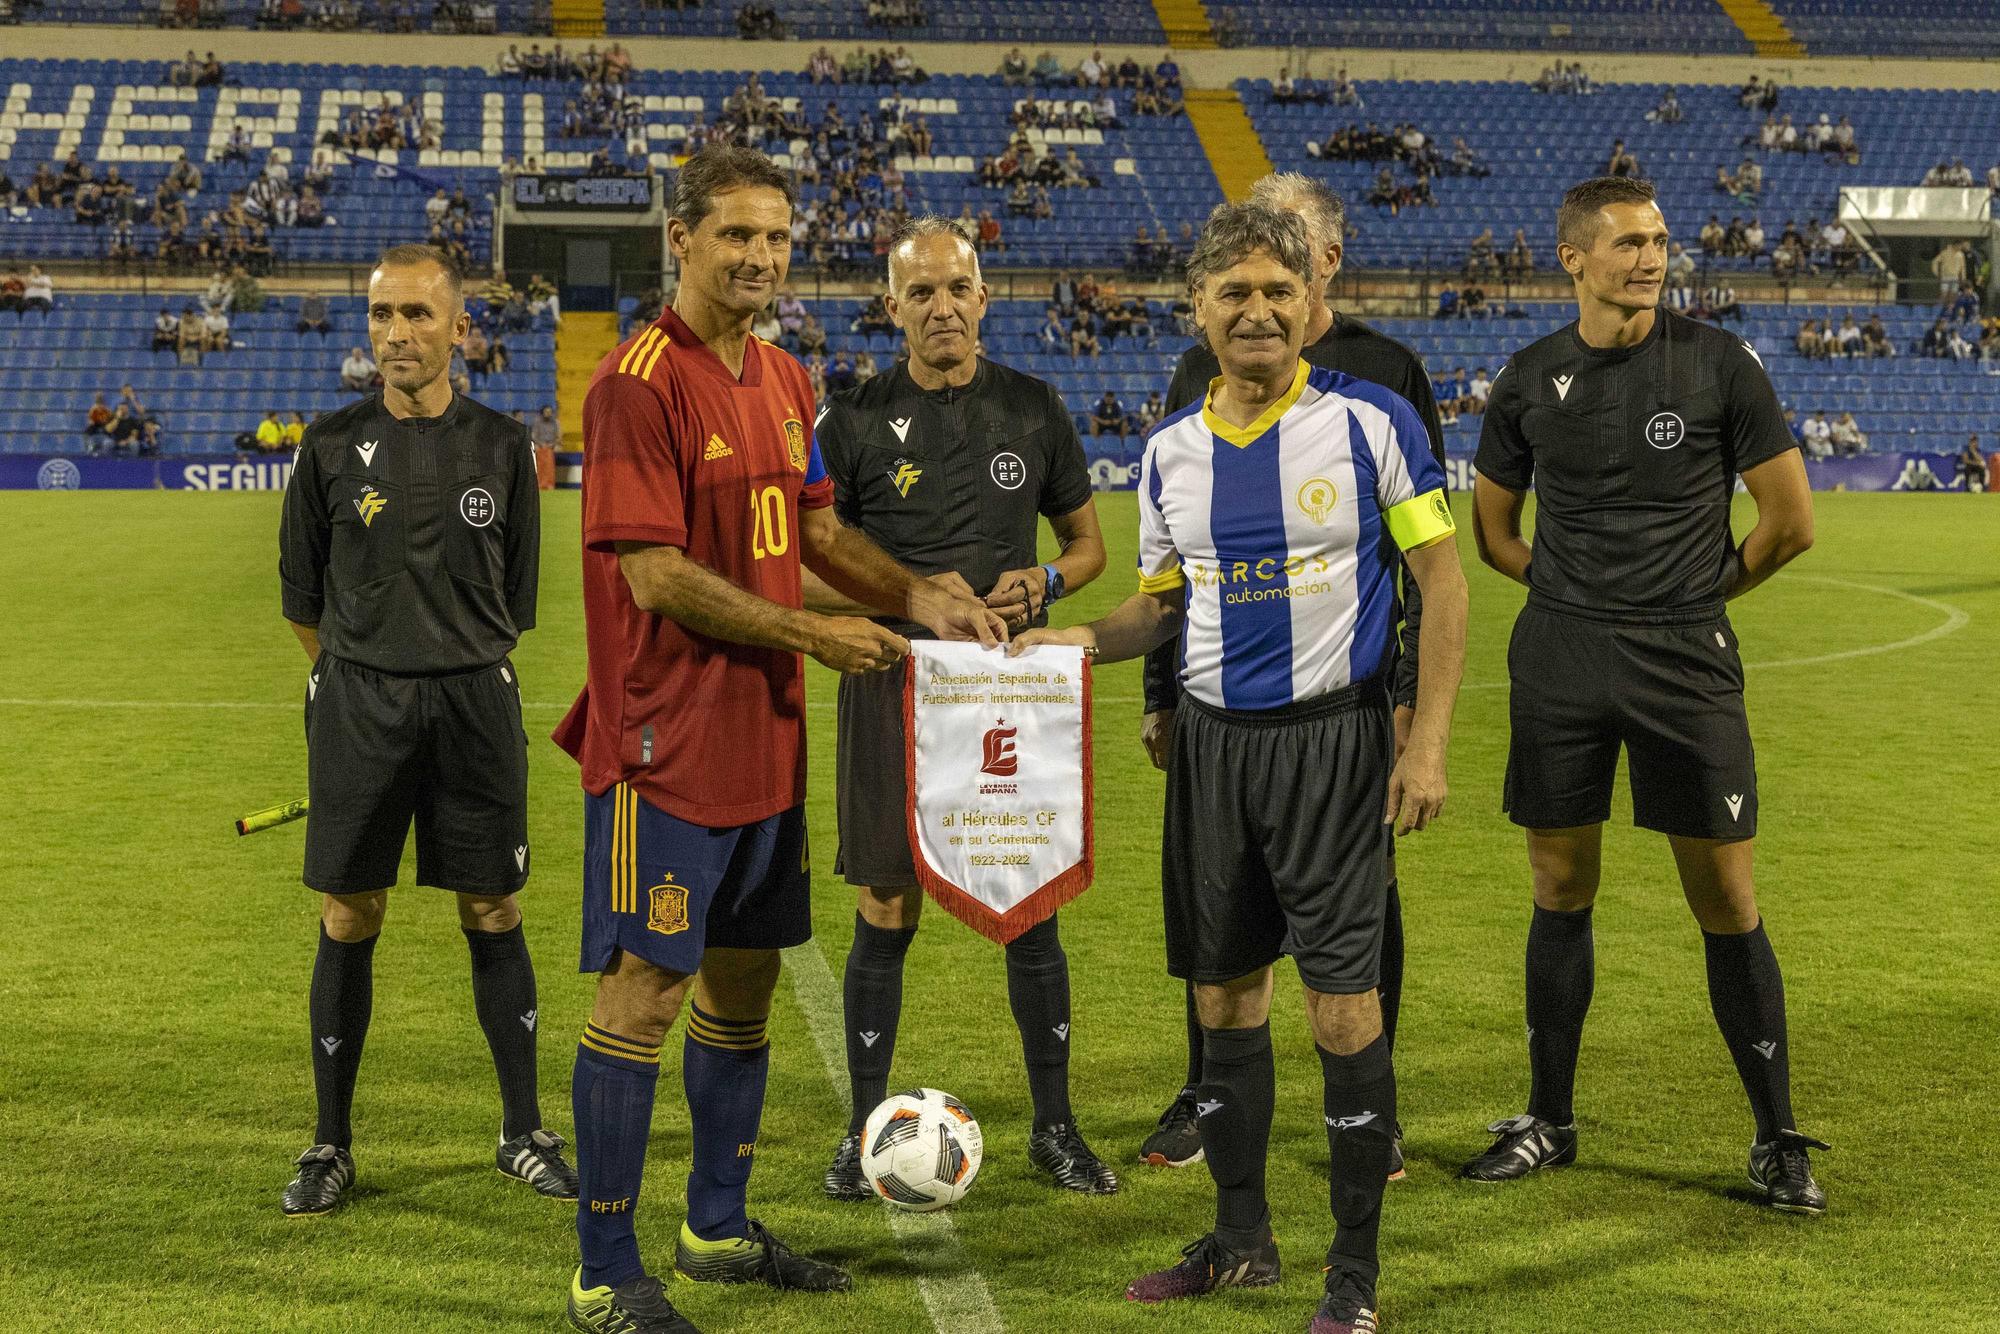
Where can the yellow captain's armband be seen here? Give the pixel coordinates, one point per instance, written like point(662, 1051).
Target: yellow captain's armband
point(1164, 580)
point(1421, 520)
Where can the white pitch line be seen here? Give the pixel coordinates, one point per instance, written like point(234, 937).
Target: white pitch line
point(1955, 619)
point(957, 1299)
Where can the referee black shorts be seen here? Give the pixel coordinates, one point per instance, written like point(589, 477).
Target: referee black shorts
point(1274, 839)
point(447, 752)
point(872, 783)
point(1670, 692)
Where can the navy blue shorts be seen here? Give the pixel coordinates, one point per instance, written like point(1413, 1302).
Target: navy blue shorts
point(666, 890)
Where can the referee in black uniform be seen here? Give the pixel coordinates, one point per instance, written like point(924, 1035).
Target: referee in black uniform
point(1633, 424)
point(408, 556)
point(1342, 343)
point(946, 461)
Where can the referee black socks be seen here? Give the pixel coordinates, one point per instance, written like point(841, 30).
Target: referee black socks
point(1747, 993)
point(1233, 1107)
point(341, 1000)
point(1359, 1099)
point(872, 1001)
point(1038, 993)
point(1562, 973)
point(503, 994)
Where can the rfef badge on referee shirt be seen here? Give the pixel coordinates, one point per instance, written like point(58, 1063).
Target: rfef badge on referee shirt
point(998, 754)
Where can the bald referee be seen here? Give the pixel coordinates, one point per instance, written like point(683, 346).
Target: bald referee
point(408, 556)
point(1279, 503)
point(1633, 424)
point(948, 461)
point(1342, 343)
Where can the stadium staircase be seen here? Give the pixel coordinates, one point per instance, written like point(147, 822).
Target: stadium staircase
point(1230, 140)
point(578, 18)
point(585, 336)
point(1185, 22)
point(1761, 24)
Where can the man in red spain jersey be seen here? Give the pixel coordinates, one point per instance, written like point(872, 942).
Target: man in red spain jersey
point(702, 493)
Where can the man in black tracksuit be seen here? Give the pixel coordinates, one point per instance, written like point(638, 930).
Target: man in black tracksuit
point(1340, 343)
point(408, 557)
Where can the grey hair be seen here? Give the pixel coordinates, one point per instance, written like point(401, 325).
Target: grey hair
point(1295, 192)
point(930, 224)
point(1234, 231)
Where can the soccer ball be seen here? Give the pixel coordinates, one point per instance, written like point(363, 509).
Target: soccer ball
point(920, 1150)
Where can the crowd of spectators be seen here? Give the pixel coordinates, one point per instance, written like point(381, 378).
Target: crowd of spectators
point(1459, 393)
point(36, 292)
point(611, 66)
point(897, 13)
point(1565, 80)
point(126, 427)
point(759, 21)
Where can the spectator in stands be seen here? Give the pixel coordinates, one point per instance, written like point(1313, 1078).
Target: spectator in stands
point(313, 316)
point(1810, 342)
point(865, 368)
point(1477, 391)
point(1948, 267)
point(1481, 259)
point(812, 336)
point(295, 431)
point(1053, 335)
point(1875, 338)
point(1848, 340)
point(1958, 347)
point(270, 434)
point(989, 236)
point(1015, 71)
point(13, 290)
point(189, 337)
point(1108, 417)
point(1090, 69)
point(166, 331)
point(1083, 341)
point(1936, 341)
point(1848, 437)
point(1816, 436)
point(1758, 96)
point(215, 330)
point(1447, 304)
point(357, 373)
point(1622, 161)
point(545, 433)
point(475, 348)
point(1465, 162)
point(38, 292)
point(756, 20)
point(1472, 302)
point(1753, 238)
point(96, 422)
point(1668, 112)
point(1152, 412)
point(1972, 466)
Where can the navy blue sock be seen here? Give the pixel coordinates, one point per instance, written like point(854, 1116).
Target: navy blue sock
point(1038, 992)
point(1562, 974)
point(723, 1066)
point(611, 1099)
point(1747, 993)
point(341, 1000)
point(872, 1002)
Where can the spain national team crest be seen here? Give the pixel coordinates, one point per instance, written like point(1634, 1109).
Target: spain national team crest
point(667, 908)
point(795, 442)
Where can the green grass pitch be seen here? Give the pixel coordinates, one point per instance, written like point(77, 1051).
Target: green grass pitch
point(154, 1082)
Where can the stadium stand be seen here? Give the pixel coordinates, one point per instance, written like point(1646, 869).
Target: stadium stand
point(1121, 21)
point(1483, 25)
point(454, 16)
point(1900, 132)
point(121, 113)
point(1893, 27)
point(95, 343)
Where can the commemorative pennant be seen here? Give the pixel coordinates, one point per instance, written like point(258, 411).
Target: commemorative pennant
point(998, 754)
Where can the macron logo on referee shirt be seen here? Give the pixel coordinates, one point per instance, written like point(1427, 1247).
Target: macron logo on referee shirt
point(367, 452)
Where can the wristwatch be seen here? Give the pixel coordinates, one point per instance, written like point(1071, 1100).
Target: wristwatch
point(1055, 585)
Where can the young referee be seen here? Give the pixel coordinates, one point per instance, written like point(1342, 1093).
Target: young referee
point(1341, 343)
point(948, 462)
point(408, 556)
point(1633, 424)
point(1279, 504)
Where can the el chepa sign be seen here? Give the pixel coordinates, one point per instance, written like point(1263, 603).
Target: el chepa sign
point(998, 756)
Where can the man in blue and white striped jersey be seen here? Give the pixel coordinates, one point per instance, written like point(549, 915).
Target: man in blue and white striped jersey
point(1280, 502)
